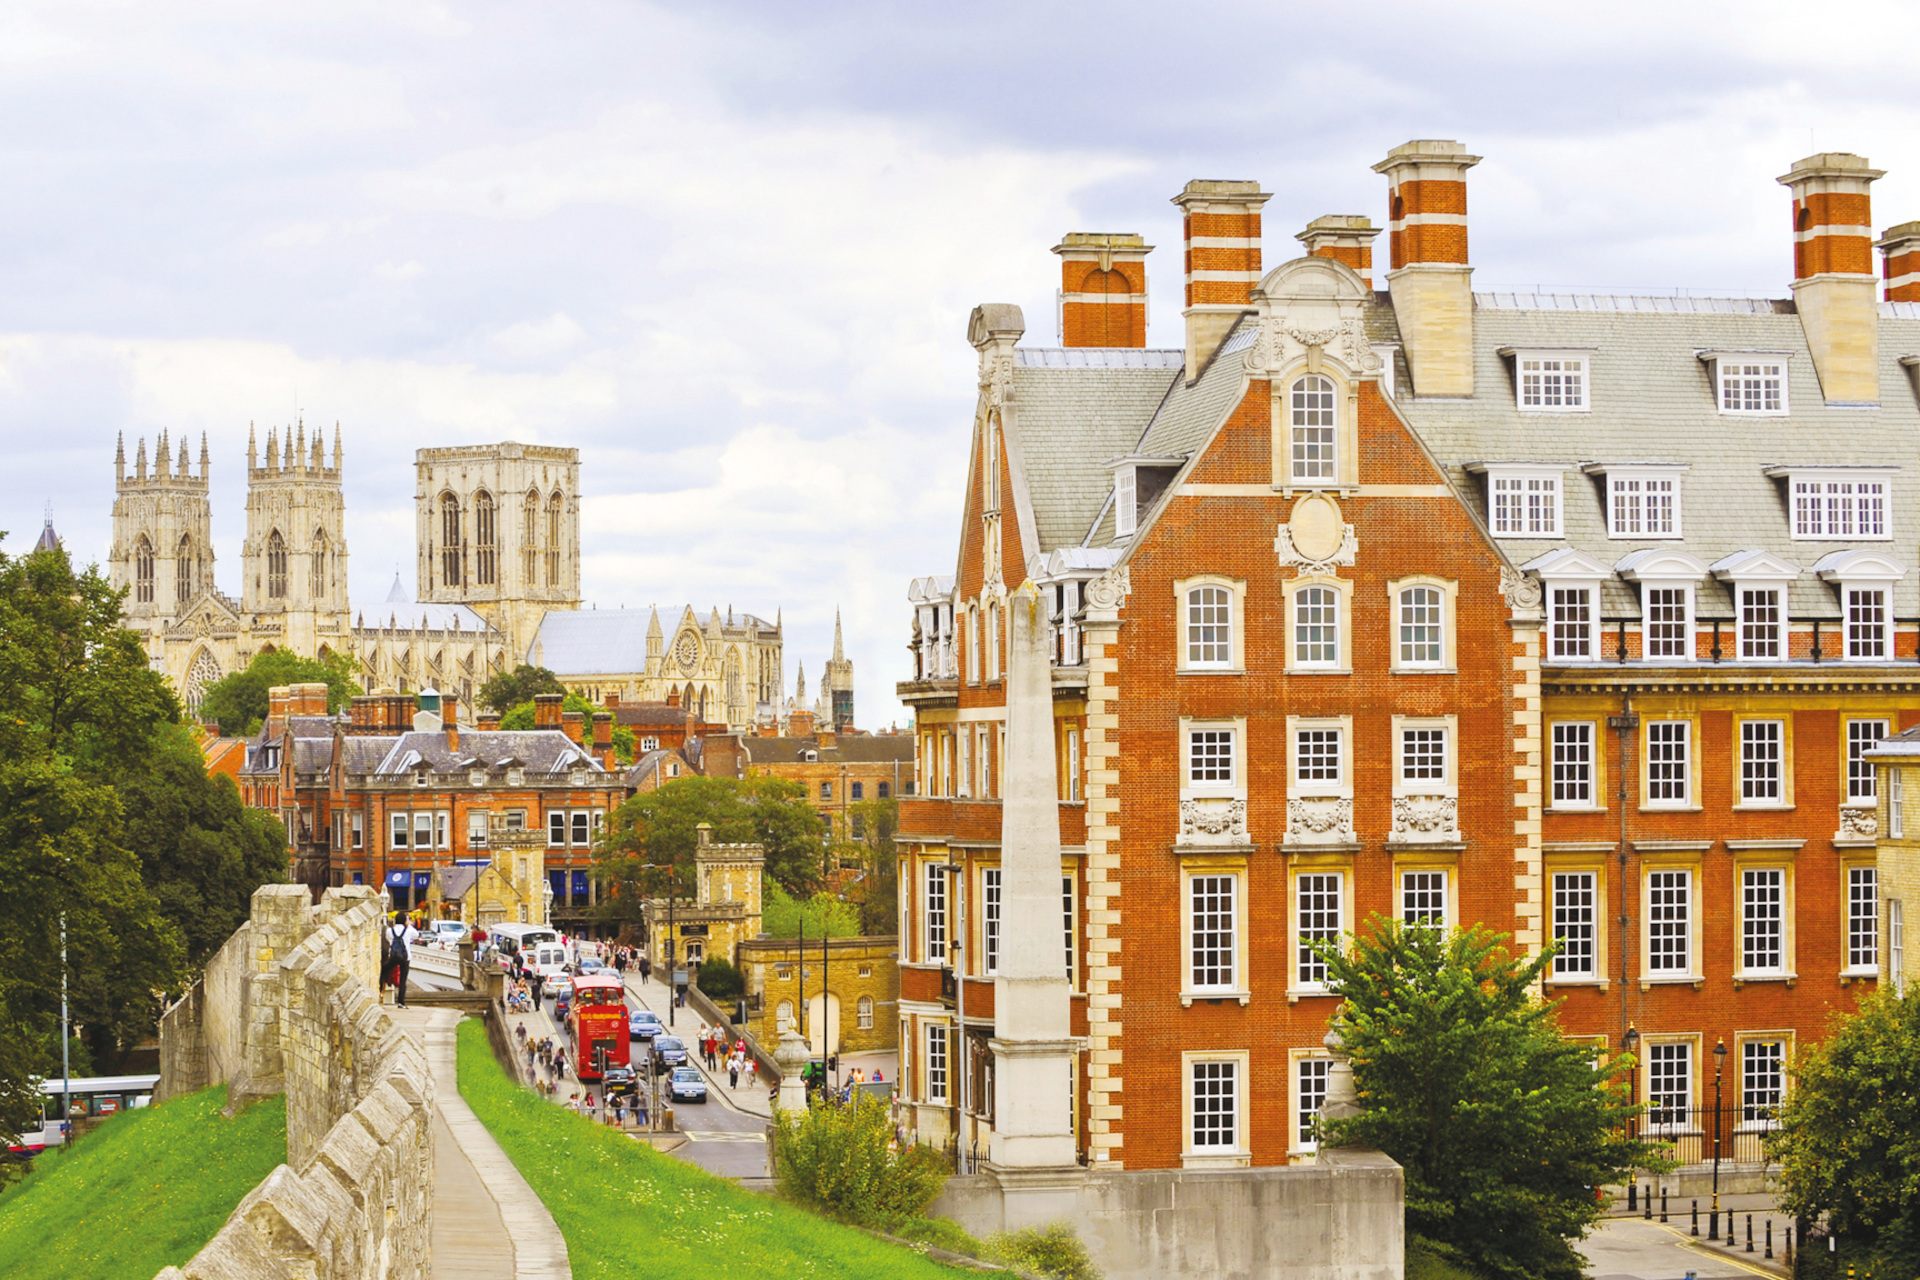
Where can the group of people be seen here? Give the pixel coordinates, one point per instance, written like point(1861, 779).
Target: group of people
point(627, 960)
point(713, 1049)
point(545, 1054)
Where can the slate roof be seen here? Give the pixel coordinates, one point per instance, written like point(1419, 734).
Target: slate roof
point(1652, 400)
point(1076, 409)
point(875, 748)
point(539, 750)
point(407, 615)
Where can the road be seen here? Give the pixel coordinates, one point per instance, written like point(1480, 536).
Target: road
point(1637, 1249)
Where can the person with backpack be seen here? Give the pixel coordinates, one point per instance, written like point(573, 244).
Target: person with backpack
point(395, 945)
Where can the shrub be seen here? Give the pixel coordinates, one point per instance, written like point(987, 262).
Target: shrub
point(943, 1233)
point(842, 1161)
point(720, 980)
point(1051, 1251)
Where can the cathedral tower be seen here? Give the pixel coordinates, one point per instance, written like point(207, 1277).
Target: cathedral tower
point(162, 534)
point(836, 687)
point(294, 560)
point(499, 531)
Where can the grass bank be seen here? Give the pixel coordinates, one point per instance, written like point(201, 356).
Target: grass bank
point(144, 1191)
point(625, 1209)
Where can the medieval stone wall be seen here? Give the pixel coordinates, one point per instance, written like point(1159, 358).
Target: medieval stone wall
point(291, 1004)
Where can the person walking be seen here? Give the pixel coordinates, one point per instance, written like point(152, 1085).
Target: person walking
point(539, 988)
point(646, 969)
point(398, 938)
point(733, 1072)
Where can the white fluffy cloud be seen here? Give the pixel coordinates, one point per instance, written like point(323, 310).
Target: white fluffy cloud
point(728, 252)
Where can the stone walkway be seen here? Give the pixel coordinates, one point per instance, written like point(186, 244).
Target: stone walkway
point(487, 1222)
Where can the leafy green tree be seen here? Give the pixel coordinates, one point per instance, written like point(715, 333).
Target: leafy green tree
point(1503, 1127)
point(79, 709)
point(877, 893)
point(1846, 1142)
point(720, 980)
point(238, 702)
point(822, 915)
point(624, 744)
point(509, 689)
point(521, 716)
point(648, 847)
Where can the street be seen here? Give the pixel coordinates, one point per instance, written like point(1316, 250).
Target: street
point(1635, 1248)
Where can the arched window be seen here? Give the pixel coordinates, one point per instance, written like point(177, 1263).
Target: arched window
point(553, 539)
point(183, 571)
point(1313, 428)
point(865, 1013)
point(317, 588)
point(483, 538)
point(450, 545)
point(276, 566)
point(530, 538)
point(1422, 627)
point(143, 570)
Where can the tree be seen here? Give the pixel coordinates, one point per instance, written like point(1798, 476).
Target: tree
point(877, 893)
point(1504, 1128)
point(509, 689)
point(238, 702)
point(624, 745)
point(1846, 1138)
point(650, 839)
point(823, 915)
point(79, 711)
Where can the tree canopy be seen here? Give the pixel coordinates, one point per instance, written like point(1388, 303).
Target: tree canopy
point(238, 702)
point(520, 716)
point(651, 837)
point(509, 689)
point(877, 892)
point(1504, 1128)
point(1847, 1144)
point(109, 822)
point(784, 916)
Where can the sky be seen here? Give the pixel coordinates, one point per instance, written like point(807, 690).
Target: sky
point(728, 250)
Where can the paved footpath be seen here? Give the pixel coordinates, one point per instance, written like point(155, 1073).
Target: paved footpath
point(487, 1222)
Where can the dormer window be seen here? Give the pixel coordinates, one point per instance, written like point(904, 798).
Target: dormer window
point(1550, 381)
point(1759, 582)
point(1126, 506)
point(1643, 500)
point(1865, 581)
point(1837, 505)
point(1522, 501)
point(1749, 382)
point(1571, 588)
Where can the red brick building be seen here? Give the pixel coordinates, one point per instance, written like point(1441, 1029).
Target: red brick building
point(1371, 601)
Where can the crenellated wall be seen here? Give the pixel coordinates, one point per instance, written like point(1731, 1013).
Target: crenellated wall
point(291, 1004)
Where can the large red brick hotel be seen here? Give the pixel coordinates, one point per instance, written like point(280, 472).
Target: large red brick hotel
point(1567, 615)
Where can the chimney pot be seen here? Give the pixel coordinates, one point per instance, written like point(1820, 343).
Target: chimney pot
point(1221, 218)
point(546, 710)
point(1103, 289)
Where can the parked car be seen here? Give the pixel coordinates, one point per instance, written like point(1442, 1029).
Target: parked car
point(668, 1051)
point(686, 1084)
point(643, 1024)
point(447, 933)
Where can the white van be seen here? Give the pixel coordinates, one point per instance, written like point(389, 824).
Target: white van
point(447, 933)
point(548, 959)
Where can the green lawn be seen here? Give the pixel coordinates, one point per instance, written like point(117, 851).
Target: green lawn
point(145, 1190)
point(627, 1210)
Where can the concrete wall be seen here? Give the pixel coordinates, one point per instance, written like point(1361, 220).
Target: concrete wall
point(1342, 1219)
point(292, 1005)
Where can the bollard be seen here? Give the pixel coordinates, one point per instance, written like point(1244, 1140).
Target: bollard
point(1749, 1233)
point(1663, 1204)
point(1713, 1222)
point(1633, 1193)
point(1696, 1219)
point(1769, 1252)
point(1731, 1242)
point(1647, 1203)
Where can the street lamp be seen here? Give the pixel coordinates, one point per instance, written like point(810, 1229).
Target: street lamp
point(1630, 1041)
point(1719, 1062)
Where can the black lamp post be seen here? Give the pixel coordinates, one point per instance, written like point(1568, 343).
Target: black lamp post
point(1719, 1062)
point(1630, 1041)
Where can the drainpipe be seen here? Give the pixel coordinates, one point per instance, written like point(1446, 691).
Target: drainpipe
point(1625, 725)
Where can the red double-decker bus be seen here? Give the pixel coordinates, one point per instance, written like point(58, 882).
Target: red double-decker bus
point(598, 1014)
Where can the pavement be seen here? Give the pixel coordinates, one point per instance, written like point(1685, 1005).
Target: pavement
point(1638, 1248)
point(487, 1222)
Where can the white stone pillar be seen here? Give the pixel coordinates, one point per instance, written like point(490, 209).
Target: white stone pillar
point(1032, 1046)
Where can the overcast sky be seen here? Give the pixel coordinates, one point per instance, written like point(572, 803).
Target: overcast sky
point(728, 250)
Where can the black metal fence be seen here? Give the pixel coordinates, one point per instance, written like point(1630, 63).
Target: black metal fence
point(1735, 1132)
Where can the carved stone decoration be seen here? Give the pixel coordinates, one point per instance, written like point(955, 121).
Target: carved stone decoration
point(1110, 589)
point(1859, 824)
point(1359, 351)
point(1521, 590)
point(1319, 819)
point(1267, 352)
point(996, 379)
point(1290, 555)
point(1312, 337)
point(1431, 817)
point(1200, 818)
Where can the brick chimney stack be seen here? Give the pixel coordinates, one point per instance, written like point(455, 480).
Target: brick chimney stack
point(574, 725)
point(1222, 222)
point(546, 710)
point(1103, 289)
point(1344, 237)
point(450, 720)
point(1833, 283)
point(1430, 279)
point(1900, 251)
point(489, 722)
point(603, 737)
point(279, 702)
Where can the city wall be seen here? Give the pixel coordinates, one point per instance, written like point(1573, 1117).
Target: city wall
point(1340, 1219)
point(291, 1005)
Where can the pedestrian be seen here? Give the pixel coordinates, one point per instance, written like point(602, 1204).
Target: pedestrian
point(539, 985)
point(733, 1072)
point(640, 1110)
point(646, 969)
point(753, 1071)
point(398, 938)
